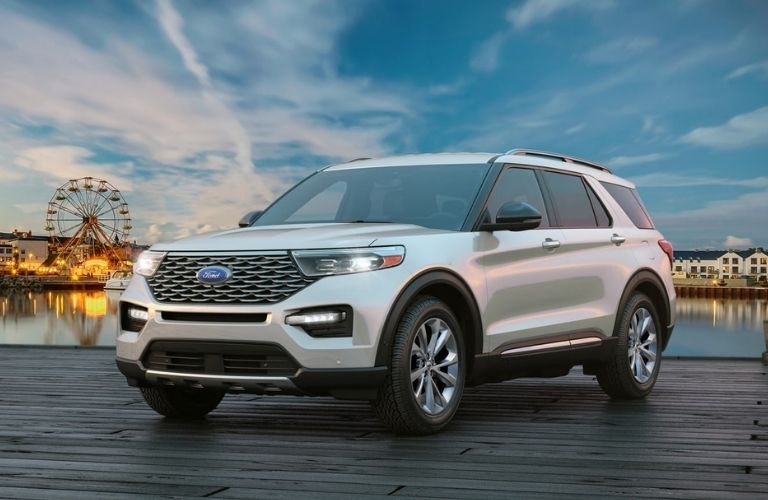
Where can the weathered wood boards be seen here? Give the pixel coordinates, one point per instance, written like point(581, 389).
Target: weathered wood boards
point(71, 428)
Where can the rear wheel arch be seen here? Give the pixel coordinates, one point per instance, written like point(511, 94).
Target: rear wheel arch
point(649, 283)
point(451, 289)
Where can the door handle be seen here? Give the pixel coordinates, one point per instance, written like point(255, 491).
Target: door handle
point(550, 244)
point(617, 240)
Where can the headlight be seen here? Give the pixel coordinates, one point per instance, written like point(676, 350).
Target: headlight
point(348, 260)
point(148, 262)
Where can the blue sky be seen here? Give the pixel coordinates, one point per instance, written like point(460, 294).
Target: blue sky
point(200, 111)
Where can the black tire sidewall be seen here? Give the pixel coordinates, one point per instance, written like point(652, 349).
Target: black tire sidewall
point(406, 333)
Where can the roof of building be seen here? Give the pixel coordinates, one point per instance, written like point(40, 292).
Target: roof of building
point(698, 254)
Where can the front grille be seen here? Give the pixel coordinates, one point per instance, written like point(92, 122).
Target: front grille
point(220, 358)
point(256, 279)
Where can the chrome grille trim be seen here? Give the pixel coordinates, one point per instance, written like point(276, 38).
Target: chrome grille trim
point(257, 278)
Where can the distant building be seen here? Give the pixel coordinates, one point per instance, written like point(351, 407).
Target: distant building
point(721, 264)
point(21, 250)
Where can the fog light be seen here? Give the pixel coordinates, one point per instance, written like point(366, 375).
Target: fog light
point(139, 314)
point(316, 318)
point(133, 317)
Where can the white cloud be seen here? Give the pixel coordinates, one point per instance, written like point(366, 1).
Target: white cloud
point(626, 161)
point(741, 130)
point(736, 242)
point(652, 126)
point(61, 163)
point(190, 133)
point(534, 11)
point(662, 180)
point(575, 129)
point(691, 228)
point(8, 174)
point(486, 56)
point(759, 68)
point(620, 50)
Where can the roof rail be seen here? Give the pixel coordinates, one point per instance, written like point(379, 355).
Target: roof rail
point(358, 159)
point(557, 156)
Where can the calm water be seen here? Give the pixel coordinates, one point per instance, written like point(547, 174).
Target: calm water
point(705, 327)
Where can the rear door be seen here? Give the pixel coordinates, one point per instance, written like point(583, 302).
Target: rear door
point(594, 258)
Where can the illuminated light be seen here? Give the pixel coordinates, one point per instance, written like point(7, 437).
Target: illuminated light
point(96, 306)
point(316, 318)
point(139, 314)
point(148, 262)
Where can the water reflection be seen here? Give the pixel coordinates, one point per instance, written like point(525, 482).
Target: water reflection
point(724, 314)
point(61, 317)
point(719, 328)
point(705, 327)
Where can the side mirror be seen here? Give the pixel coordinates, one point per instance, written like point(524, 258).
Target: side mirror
point(514, 216)
point(250, 218)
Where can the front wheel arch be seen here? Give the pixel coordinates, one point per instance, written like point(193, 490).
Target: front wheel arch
point(448, 287)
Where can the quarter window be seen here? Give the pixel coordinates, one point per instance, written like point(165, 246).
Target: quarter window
point(629, 201)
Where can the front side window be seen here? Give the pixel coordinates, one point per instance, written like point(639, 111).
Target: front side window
point(433, 196)
point(517, 184)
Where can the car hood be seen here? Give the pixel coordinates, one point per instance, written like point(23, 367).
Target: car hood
point(296, 236)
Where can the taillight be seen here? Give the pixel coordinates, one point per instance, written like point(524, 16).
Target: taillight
point(667, 247)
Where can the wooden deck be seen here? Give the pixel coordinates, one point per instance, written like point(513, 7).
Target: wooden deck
point(71, 428)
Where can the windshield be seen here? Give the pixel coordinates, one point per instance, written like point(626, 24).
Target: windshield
point(434, 196)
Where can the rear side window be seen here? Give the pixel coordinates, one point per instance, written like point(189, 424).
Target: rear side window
point(629, 201)
point(571, 200)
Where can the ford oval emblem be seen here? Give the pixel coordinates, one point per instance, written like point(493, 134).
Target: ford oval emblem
point(213, 275)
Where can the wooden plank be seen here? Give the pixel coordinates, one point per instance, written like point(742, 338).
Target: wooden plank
point(72, 428)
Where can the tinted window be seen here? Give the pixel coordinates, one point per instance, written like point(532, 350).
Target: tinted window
point(517, 184)
point(601, 214)
point(630, 202)
point(571, 200)
point(435, 196)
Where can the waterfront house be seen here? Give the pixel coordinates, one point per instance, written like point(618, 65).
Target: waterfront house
point(721, 264)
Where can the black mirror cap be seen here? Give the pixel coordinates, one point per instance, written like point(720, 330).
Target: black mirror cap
point(250, 218)
point(514, 216)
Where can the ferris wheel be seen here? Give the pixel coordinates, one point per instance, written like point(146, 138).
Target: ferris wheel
point(88, 217)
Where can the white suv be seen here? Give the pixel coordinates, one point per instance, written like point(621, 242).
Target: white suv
point(401, 281)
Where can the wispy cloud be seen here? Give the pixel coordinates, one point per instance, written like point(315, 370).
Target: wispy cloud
point(621, 49)
point(691, 179)
point(741, 130)
point(61, 163)
point(575, 129)
point(486, 56)
point(626, 161)
point(534, 11)
point(759, 69)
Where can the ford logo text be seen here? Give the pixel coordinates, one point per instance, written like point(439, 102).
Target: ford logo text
point(213, 275)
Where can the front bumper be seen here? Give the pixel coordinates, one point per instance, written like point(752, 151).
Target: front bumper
point(350, 383)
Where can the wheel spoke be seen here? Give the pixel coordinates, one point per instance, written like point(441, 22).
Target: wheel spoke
point(448, 361)
point(429, 402)
point(651, 356)
point(418, 373)
point(441, 341)
point(440, 398)
point(419, 388)
point(422, 337)
point(449, 379)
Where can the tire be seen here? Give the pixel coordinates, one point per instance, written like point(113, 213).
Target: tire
point(634, 367)
point(181, 403)
point(405, 406)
